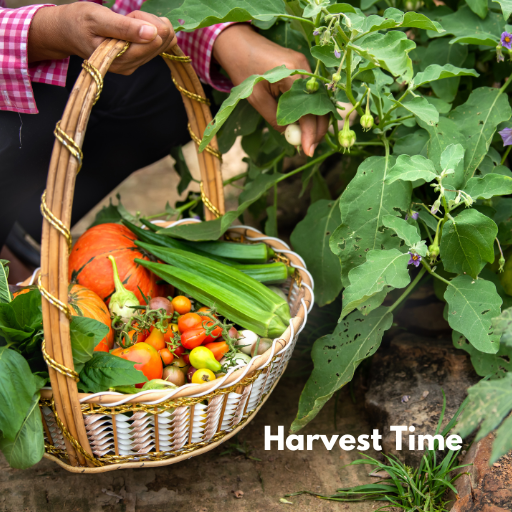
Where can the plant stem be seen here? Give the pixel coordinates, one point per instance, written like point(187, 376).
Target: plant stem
point(296, 18)
point(306, 166)
point(397, 120)
point(432, 273)
point(371, 143)
point(305, 73)
point(505, 155)
point(181, 209)
point(408, 289)
point(348, 91)
point(505, 85)
point(235, 178)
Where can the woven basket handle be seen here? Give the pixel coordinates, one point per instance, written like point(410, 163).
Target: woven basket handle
point(56, 205)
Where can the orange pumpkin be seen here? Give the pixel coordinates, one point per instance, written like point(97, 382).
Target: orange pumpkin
point(89, 264)
point(84, 302)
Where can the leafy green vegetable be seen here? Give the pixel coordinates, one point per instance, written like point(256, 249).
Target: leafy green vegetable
point(85, 334)
point(5, 294)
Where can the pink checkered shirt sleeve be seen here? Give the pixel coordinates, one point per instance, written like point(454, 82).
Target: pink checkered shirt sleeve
point(15, 73)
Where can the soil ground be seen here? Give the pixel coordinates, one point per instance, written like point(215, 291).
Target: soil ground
point(208, 483)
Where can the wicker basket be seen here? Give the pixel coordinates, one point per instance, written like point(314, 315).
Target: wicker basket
point(89, 433)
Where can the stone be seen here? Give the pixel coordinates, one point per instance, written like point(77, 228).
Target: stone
point(405, 387)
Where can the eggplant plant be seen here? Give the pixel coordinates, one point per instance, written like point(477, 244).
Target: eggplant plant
point(429, 86)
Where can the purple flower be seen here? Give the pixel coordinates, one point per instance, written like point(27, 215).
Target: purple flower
point(506, 40)
point(506, 135)
point(195, 216)
point(415, 259)
point(316, 32)
point(337, 53)
point(415, 215)
point(181, 22)
point(405, 399)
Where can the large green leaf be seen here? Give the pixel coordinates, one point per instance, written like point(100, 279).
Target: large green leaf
point(21, 318)
point(363, 204)
point(451, 157)
point(435, 72)
point(486, 365)
point(203, 13)
point(472, 304)
point(422, 109)
point(336, 357)
point(310, 239)
point(104, 371)
point(214, 229)
point(412, 168)
point(467, 243)
point(27, 447)
point(17, 387)
point(5, 294)
point(502, 325)
point(489, 403)
point(381, 269)
point(489, 186)
point(389, 51)
point(326, 55)
point(243, 121)
point(477, 120)
point(297, 102)
point(85, 334)
point(241, 91)
point(479, 7)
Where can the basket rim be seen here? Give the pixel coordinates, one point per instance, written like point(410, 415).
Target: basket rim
point(279, 345)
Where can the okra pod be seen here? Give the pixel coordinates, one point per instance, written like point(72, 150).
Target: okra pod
point(234, 306)
point(228, 277)
point(270, 273)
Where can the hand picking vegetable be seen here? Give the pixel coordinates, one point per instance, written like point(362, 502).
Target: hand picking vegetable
point(122, 300)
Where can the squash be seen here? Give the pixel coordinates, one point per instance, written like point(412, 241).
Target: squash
point(84, 302)
point(89, 264)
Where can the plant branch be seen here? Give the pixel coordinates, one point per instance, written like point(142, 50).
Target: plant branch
point(306, 166)
point(408, 290)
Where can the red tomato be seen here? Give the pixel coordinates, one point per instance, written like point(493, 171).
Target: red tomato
point(178, 351)
point(215, 333)
point(193, 338)
point(219, 349)
point(189, 321)
point(186, 358)
point(181, 304)
point(147, 359)
point(134, 336)
point(166, 355)
point(156, 339)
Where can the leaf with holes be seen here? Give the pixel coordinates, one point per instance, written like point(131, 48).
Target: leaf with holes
point(336, 357)
point(489, 403)
point(472, 304)
point(486, 365)
point(381, 269)
point(467, 243)
point(412, 168)
point(310, 239)
point(363, 204)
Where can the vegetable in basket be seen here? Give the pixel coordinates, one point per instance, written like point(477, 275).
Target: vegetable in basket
point(122, 300)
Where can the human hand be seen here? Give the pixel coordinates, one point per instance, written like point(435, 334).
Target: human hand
point(242, 52)
point(79, 28)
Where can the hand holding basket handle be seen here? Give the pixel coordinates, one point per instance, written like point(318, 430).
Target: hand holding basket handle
point(79, 28)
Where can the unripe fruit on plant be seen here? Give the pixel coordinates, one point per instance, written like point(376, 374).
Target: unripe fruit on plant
point(346, 137)
point(312, 85)
point(293, 134)
point(366, 122)
point(433, 251)
point(336, 77)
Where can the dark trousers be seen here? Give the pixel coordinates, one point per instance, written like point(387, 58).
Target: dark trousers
point(136, 122)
